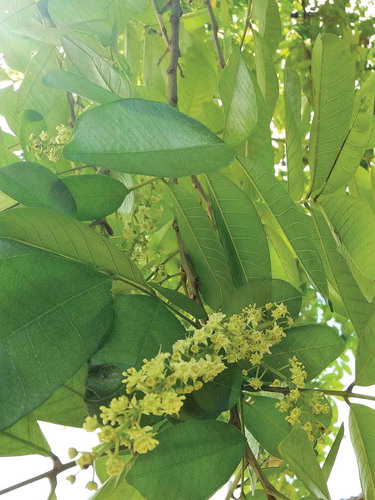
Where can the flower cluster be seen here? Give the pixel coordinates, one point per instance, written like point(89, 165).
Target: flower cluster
point(47, 146)
point(160, 385)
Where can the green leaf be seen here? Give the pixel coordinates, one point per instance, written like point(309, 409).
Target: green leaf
point(67, 237)
point(293, 133)
point(297, 450)
point(240, 229)
point(24, 438)
point(365, 358)
point(333, 92)
point(7, 157)
point(316, 346)
point(354, 146)
point(36, 186)
point(92, 66)
point(141, 327)
point(291, 221)
point(117, 488)
point(260, 292)
point(331, 457)
point(181, 301)
point(352, 221)
point(203, 247)
point(266, 423)
point(239, 100)
point(72, 82)
point(96, 196)
point(53, 314)
point(145, 137)
point(267, 12)
point(205, 454)
point(362, 427)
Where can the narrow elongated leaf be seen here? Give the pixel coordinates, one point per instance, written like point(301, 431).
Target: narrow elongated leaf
point(266, 423)
point(297, 450)
point(293, 135)
point(267, 12)
point(365, 358)
point(207, 451)
point(72, 82)
point(331, 457)
point(316, 346)
point(92, 66)
point(36, 186)
point(95, 196)
point(44, 342)
point(67, 237)
point(355, 144)
point(145, 137)
point(141, 327)
point(362, 434)
point(239, 100)
point(24, 438)
point(260, 292)
point(240, 229)
point(352, 221)
point(203, 247)
point(333, 92)
point(291, 221)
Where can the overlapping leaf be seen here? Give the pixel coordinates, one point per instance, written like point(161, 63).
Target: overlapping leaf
point(365, 358)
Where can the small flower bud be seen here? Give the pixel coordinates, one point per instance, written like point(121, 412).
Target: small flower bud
point(72, 452)
point(92, 486)
point(71, 479)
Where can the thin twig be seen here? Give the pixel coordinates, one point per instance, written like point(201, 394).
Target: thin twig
point(326, 392)
point(215, 30)
point(174, 49)
point(247, 22)
point(162, 27)
point(72, 103)
point(198, 186)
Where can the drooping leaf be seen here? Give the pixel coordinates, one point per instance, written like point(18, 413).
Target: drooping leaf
point(365, 356)
point(145, 137)
point(362, 435)
point(95, 196)
point(203, 247)
point(181, 301)
point(352, 221)
point(240, 229)
point(24, 438)
point(316, 346)
point(332, 454)
point(260, 292)
point(239, 100)
point(297, 450)
point(291, 222)
point(117, 488)
point(267, 13)
point(141, 327)
point(44, 342)
point(333, 93)
point(36, 186)
point(266, 423)
point(67, 237)
point(77, 84)
point(207, 451)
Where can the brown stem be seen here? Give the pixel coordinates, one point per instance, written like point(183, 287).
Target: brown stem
point(174, 50)
point(198, 186)
point(247, 22)
point(162, 27)
point(72, 103)
point(215, 30)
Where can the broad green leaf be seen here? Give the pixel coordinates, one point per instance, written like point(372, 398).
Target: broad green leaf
point(103, 383)
point(203, 247)
point(239, 100)
point(355, 144)
point(181, 301)
point(352, 221)
point(361, 185)
point(333, 93)
point(297, 450)
point(265, 72)
point(117, 488)
point(66, 406)
point(145, 137)
point(240, 229)
point(316, 346)
point(362, 435)
point(331, 457)
point(266, 423)
point(142, 326)
point(293, 133)
point(72, 82)
point(53, 314)
point(365, 356)
point(95, 195)
point(260, 292)
point(67, 237)
point(36, 186)
point(267, 13)
point(291, 221)
point(205, 451)
point(92, 66)
point(348, 298)
point(7, 157)
point(24, 438)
